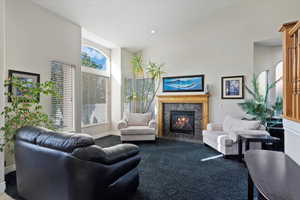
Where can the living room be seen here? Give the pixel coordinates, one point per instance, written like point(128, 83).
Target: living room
point(165, 94)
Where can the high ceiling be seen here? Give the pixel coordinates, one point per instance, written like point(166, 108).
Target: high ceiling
point(128, 23)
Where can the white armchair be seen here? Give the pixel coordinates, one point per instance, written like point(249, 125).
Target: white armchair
point(137, 127)
point(222, 137)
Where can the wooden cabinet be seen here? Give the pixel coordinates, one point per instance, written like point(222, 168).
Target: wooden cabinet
point(291, 71)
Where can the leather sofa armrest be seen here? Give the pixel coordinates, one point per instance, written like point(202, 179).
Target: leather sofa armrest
point(120, 152)
point(122, 124)
point(152, 124)
point(214, 127)
point(108, 155)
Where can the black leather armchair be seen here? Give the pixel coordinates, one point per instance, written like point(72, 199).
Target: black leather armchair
point(60, 166)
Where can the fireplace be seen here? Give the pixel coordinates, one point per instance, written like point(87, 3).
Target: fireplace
point(182, 122)
point(195, 108)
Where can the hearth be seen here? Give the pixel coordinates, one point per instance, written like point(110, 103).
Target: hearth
point(195, 107)
point(182, 122)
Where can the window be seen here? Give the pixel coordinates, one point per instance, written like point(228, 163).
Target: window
point(63, 106)
point(94, 99)
point(92, 58)
point(262, 82)
point(95, 87)
point(279, 74)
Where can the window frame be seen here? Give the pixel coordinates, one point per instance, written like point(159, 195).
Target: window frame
point(102, 73)
point(276, 78)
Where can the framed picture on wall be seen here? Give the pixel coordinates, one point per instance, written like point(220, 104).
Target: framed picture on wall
point(233, 87)
point(193, 83)
point(30, 78)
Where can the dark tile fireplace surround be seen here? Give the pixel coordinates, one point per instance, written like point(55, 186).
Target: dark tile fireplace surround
point(182, 121)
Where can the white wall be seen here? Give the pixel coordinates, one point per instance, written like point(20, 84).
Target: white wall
point(267, 58)
point(35, 37)
point(292, 139)
point(116, 86)
point(2, 70)
point(223, 46)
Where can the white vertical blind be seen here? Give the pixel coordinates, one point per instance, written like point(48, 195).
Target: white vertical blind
point(63, 106)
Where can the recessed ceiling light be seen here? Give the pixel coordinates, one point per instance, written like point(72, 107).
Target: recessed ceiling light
point(153, 31)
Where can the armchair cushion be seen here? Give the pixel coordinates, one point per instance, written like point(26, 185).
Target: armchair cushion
point(137, 119)
point(152, 124)
point(122, 124)
point(138, 130)
point(108, 155)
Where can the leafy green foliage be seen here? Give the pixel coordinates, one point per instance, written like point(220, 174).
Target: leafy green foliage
point(25, 109)
point(137, 65)
point(259, 106)
point(87, 61)
point(278, 105)
point(144, 85)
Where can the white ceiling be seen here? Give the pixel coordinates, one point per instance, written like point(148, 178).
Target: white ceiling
point(128, 23)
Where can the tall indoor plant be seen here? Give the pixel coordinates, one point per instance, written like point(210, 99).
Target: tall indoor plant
point(25, 110)
point(142, 88)
point(259, 106)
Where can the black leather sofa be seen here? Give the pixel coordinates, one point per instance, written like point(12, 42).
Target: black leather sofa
point(60, 166)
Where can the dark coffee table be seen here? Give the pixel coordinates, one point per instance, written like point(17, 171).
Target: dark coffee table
point(263, 139)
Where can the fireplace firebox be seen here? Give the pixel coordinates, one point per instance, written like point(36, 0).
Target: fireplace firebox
point(182, 122)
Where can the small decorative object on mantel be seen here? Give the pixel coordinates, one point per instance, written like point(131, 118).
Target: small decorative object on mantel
point(31, 79)
point(193, 83)
point(233, 87)
point(206, 90)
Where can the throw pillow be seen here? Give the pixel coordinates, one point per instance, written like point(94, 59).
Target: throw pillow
point(233, 124)
point(137, 119)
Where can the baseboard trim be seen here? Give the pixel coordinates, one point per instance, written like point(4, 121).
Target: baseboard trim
point(10, 168)
point(2, 187)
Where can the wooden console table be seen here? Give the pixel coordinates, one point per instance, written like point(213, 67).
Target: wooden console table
point(275, 175)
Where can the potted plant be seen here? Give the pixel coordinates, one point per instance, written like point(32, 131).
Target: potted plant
point(259, 106)
point(24, 109)
point(142, 88)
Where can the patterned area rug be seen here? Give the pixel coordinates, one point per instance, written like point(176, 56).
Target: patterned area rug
point(173, 170)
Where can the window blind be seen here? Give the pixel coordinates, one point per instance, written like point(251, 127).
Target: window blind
point(63, 105)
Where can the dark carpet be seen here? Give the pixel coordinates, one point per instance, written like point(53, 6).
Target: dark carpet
point(173, 170)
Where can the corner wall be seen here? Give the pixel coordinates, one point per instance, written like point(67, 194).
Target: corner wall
point(35, 37)
point(2, 70)
point(222, 46)
point(267, 58)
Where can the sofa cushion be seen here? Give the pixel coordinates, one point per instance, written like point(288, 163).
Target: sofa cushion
point(233, 124)
point(108, 155)
point(137, 119)
point(66, 142)
point(138, 130)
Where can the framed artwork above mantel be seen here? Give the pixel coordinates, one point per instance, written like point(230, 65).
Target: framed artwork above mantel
point(193, 83)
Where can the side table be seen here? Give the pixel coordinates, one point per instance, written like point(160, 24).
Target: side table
point(263, 139)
